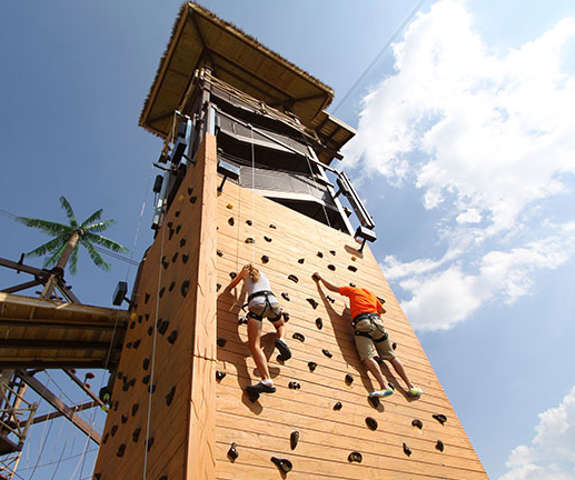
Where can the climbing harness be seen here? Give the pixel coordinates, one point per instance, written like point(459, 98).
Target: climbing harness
point(371, 317)
point(266, 294)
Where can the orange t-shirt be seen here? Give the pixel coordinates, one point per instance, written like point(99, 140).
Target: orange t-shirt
point(360, 300)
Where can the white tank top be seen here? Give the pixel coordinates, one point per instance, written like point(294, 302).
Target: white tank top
point(262, 284)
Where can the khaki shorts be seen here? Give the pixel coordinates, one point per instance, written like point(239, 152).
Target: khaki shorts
point(259, 307)
point(367, 347)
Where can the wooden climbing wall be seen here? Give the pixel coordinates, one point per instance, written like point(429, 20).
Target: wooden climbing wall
point(297, 245)
point(165, 382)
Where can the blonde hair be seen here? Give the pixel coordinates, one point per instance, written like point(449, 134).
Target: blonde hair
point(253, 272)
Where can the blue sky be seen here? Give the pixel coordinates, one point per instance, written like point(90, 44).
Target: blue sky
point(464, 155)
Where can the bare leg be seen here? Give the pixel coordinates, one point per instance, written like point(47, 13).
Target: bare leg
point(254, 341)
point(374, 368)
point(401, 371)
point(280, 328)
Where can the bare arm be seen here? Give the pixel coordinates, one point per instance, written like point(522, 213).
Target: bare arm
point(241, 276)
point(330, 286)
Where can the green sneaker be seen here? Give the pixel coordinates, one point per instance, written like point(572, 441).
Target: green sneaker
point(381, 393)
point(416, 392)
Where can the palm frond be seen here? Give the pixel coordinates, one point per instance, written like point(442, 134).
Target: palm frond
point(56, 256)
point(69, 212)
point(105, 242)
point(47, 247)
point(94, 255)
point(100, 226)
point(92, 218)
point(52, 228)
point(74, 260)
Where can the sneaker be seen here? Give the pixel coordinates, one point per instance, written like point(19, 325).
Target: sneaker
point(416, 392)
point(261, 388)
point(381, 393)
point(282, 347)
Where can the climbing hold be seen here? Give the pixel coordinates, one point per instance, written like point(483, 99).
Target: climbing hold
point(439, 446)
point(265, 259)
point(146, 297)
point(135, 408)
point(285, 296)
point(150, 443)
point(348, 379)
point(218, 286)
point(221, 342)
point(312, 302)
point(331, 299)
point(174, 257)
point(113, 430)
point(171, 287)
point(332, 252)
point(351, 284)
point(417, 423)
point(371, 423)
point(190, 190)
point(220, 375)
point(233, 452)
point(163, 326)
point(162, 290)
point(283, 464)
point(331, 267)
point(351, 268)
point(320, 255)
point(193, 199)
point(301, 260)
point(285, 315)
point(440, 418)
point(219, 253)
point(273, 226)
point(182, 242)
point(185, 287)
point(229, 206)
point(327, 353)
point(170, 396)
point(129, 345)
point(137, 344)
point(353, 259)
point(381, 300)
point(185, 258)
point(181, 198)
point(147, 316)
point(121, 450)
point(406, 449)
point(97, 476)
point(146, 379)
point(105, 438)
point(293, 439)
point(152, 388)
point(233, 275)
point(354, 457)
point(249, 222)
point(177, 213)
point(394, 345)
point(293, 278)
point(250, 240)
point(267, 239)
point(312, 366)
point(165, 262)
point(242, 321)
point(231, 221)
point(136, 434)
point(319, 323)
point(294, 385)
point(337, 406)
point(374, 401)
point(173, 337)
point(140, 318)
point(298, 336)
point(170, 235)
point(150, 330)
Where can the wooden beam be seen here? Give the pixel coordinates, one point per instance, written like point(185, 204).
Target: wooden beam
point(83, 386)
point(22, 286)
point(20, 267)
point(59, 405)
point(56, 414)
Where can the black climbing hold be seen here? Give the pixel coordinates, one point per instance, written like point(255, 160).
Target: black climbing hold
point(285, 315)
point(273, 226)
point(283, 464)
point(440, 418)
point(185, 258)
point(250, 240)
point(374, 401)
point(331, 267)
point(219, 253)
point(381, 300)
point(220, 375)
point(301, 260)
point(175, 257)
point(242, 321)
point(331, 299)
point(165, 263)
point(105, 438)
point(231, 221)
point(135, 408)
point(190, 190)
point(371, 423)
point(113, 430)
point(293, 278)
point(171, 287)
point(285, 296)
point(129, 345)
point(152, 388)
point(312, 302)
point(406, 449)
point(332, 252)
point(170, 396)
point(121, 450)
point(137, 344)
point(182, 242)
point(97, 476)
point(163, 326)
point(193, 199)
point(170, 235)
point(394, 345)
point(136, 434)
point(348, 379)
point(326, 352)
point(162, 290)
point(116, 405)
point(233, 452)
point(177, 213)
point(351, 284)
point(150, 330)
point(249, 222)
point(337, 406)
point(147, 316)
point(320, 255)
point(146, 297)
point(185, 287)
point(417, 423)
point(218, 286)
point(298, 336)
point(265, 259)
point(351, 268)
point(178, 228)
point(319, 323)
point(221, 342)
point(267, 239)
point(173, 337)
point(150, 443)
point(140, 319)
point(146, 379)
point(354, 457)
point(293, 439)
point(233, 275)
point(312, 366)
point(439, 446)
point(294, 385)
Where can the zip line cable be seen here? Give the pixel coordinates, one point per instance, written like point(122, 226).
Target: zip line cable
point(380, 53)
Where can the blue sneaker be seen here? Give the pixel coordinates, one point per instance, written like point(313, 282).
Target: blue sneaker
point(381, 393)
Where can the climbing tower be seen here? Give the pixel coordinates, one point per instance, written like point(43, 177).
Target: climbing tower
point(249, 174)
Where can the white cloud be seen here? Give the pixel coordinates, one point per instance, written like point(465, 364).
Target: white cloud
point(488, 137)
point(551, 454)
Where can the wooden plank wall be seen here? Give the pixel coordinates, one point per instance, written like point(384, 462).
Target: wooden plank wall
point(262, 429)
point(170, 347)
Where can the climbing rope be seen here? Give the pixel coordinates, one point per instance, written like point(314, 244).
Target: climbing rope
point(253, 185)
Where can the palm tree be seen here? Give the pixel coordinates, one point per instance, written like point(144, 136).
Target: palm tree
point(68, 238)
